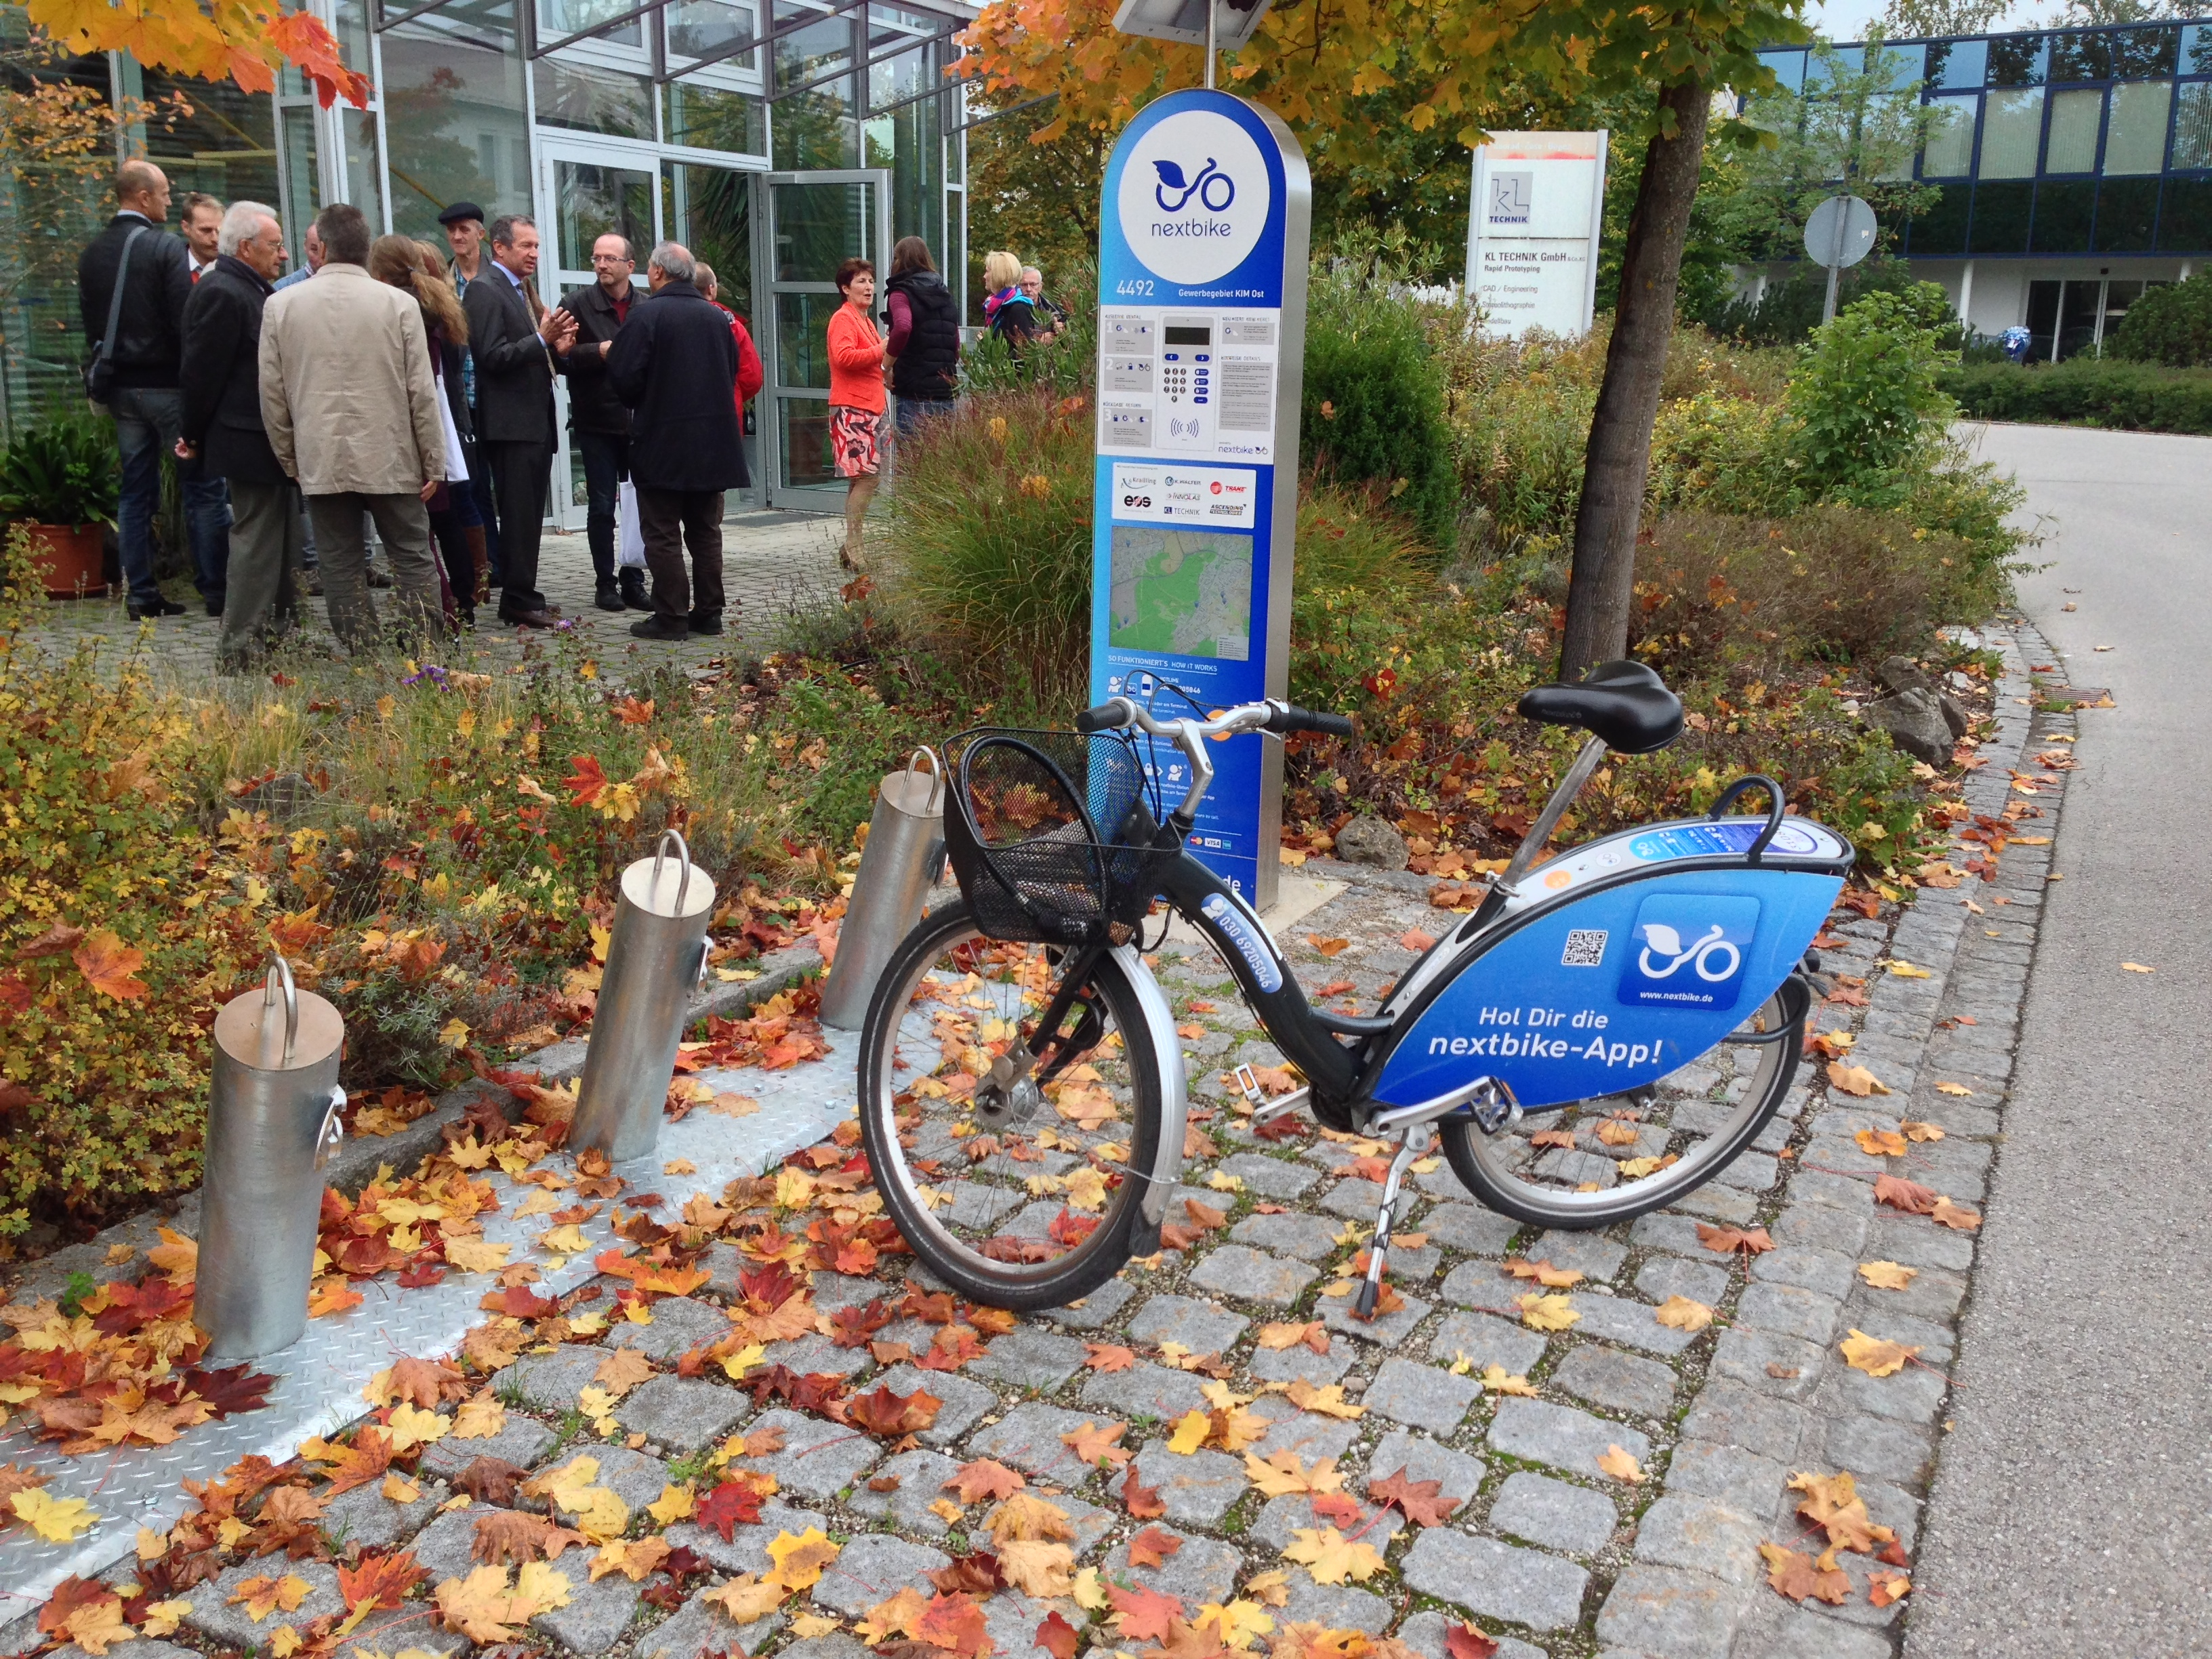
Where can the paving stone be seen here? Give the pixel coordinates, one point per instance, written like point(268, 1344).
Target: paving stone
point(1280, 1519)
point(1299, 1364)
point(1425, 1396)
point(745, 1550)
point(1011, 1620)
point(1668, 1275)
point(1820, 1226)
point(1588, 1252)
point(1306, 1236)
point(1792, 1311)
point(819, 1458)
point(597, 1614)
point(1470, 1227)
point(1354, 1199)
point(1916, 1241)
point(1496, 1580)
point(874, 1567)
point(522, 1441)
point(135, 1649)
point(1201, 1326)
point(1270, 1177)
point(1484, 1341)
point(1830, 1273)
point(1203, 1570)
point(1237, 1270)
point(1424, 1633)
point(1333, 1606)
point(1671, 1614)
point(680, 1323)
point(1028, 1438)
point(1770, 1362)
point(920, 1476)
point(1198, 1489)
point(1724, 1205)
point(817, 1352)
point(1735, 1416)
point(1677, 1235)
point(1565, 1438)
point(1145, 1390)
point(1028, 1358)
point(1420, 1458)
point(682, 1413)
point(1933, 1295)
point(1683, 1530)
point(214, 1616)
point(446, 1547)
point(1091, 1524)
point(1911, 1395)
point(365, 1516)
point(399, 1629)
point(1098, 1309)
point(1625, 1320)
point(1309, 1434)
point(1742, 1480)
point(833, 1291)
point(1781, 1631)
point(698, 1629)
point(1937, 1342)
point(966, 1402)
point(1607, 1377)
point(1553, 1513)
point(551, 1381)
point(1389, 1329)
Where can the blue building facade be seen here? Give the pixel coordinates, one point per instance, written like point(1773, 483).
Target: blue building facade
point(2075, 167)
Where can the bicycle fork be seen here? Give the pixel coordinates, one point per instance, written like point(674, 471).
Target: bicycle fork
point(1492, 1107)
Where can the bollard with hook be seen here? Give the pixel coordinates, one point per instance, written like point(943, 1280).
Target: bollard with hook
point(272, 1125)
point(656, 958)
point(905, 850)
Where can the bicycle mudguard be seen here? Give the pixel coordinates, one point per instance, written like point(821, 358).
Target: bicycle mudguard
point(1620, 961)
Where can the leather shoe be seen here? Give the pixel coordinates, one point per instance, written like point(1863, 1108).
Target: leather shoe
point(214, 607)
point(652, 628)
point(707, 622)
point(528, 619)
point(608, 597)
point(633, 591)
point(154, 608)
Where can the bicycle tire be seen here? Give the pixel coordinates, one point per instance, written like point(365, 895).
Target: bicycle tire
point(1477, 1159)
point(1020, 1287)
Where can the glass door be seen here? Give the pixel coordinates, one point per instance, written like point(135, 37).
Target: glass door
point(709, 208)
point(812, 223)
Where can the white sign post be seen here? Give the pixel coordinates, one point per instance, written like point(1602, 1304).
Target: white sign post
point(1533, 229)
point(1838, 234)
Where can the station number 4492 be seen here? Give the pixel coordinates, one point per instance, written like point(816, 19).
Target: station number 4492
point(1135, 287)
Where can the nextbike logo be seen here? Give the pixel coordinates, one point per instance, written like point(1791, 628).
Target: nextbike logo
point(1688, 952)
point(1194, 198)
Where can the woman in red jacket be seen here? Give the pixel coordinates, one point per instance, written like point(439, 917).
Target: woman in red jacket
point(857, 361)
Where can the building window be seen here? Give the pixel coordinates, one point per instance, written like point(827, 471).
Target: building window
point(1954, 65)
point(2127, 215)
point(2084, 57)
point(1950, 151)
point(2012, 133)
point(2143, 54)
point(591, 100)
point(1789, 68)
point(2019, 60)
point(699, 28)
point(2001, 216)
point(715, 117)
point(2076, 116)
point(454, 116)
point(2135, 137)
point(559, 18)
point(2192, 127)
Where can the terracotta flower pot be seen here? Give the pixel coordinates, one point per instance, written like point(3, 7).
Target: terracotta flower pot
point(69, 559)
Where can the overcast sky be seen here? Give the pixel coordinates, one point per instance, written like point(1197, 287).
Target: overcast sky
point(1846, 19)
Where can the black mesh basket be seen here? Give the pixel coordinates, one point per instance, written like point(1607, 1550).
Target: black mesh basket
point(1053, 835)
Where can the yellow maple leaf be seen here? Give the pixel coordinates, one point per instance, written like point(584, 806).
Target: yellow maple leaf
point(55, 1520)
point(675, 1503)
point(1875, 1355)
point(745, 1600)
point(1190, 1433)
point(262, 1596)
point(479, 1419)
point(163, 1618)
point(1886, 1275)
point(1236, 1623)
point(474, 1255)
point(1090, 1594)
point(1036, 1567)
point(799, 1560)
point(1282, 1475)
point(540, 1587)
point(1546, 1313)
point(399, 1490)
point(568, 1240)
point(176, 1255)
point(1621, 1465)
point(1881, 1143)
point(1328, 1401)
point(813, 1626)
point(1086, 1190)
point(1496, 1379)
point(1331, 1558)
point(411, 1426)
point(1682, 1313)
point(1271, 1588)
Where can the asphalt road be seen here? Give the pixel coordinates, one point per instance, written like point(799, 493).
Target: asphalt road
point(2072, 1511)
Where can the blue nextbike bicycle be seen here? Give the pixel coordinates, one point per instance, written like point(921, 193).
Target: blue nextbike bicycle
point(1607, 1030)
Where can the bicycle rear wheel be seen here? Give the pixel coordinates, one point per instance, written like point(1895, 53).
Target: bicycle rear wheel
point(1631, 1154)
point(1024, 1202)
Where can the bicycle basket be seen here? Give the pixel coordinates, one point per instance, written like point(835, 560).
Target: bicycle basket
point(1051, 833)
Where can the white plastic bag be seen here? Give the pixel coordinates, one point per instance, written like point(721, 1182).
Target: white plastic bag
point(629, 529)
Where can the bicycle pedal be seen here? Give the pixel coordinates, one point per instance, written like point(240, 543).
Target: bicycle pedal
point(1281, 1106)
point(1492, 1116)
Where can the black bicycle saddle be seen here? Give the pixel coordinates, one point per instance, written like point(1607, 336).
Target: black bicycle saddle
point(1623, 702)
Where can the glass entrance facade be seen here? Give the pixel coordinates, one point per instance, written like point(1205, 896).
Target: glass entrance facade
point(655, 120)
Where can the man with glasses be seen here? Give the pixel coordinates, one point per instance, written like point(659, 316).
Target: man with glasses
point(598, 418)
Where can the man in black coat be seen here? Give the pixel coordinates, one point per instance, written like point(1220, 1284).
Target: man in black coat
point(598, 417)
point(512, 338)
point(220, 426)
point(675, 363)
point(143, 358)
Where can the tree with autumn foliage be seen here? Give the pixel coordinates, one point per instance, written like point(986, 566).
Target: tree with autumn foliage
point(1447, 63)
point(241, 41)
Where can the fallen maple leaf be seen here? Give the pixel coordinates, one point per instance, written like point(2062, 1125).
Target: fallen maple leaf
point(109, 965)
point(1326, 1403)
point(1056, 1636)
point(1948, 1214)
point(1855, 1079)
point(1464, 1641)
point(1311, 1332)
point(2132, 967)
point(621, 1370)
point(1681, 1313)
point(1331, 1558)
point(1832, 1502)
point(54, 1520)
point(1420, 1500)
point(1751, 1241)
point(1621, 1465)
point(1282, 1475)
point(1884, 1588)
point(1875, 1356)
point(1026, 1518)
point(1918, 1131)
point(1899, 1193)
point(1142, 1501)
point(984, 1478)
point(1152, 1547)
point(1546, 1313)
point(1881, 1143)
point(1108, 1357)
point(380, 1581)
point(1141, 1614)
point(1886, 1275)
point(1797, 1574)
point(1328, 947)
point(892, 1415)
point(799, 1560)
point(1543, 1273)
point(261, 1596)
point(516, 1536)
point(1496, 1380)
point(1562, 1139)
point(1037, 1568)
point(1190, 1433)
point(1092, 1442)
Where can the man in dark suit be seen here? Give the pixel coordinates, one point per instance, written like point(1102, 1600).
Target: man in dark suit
point(597, 416)
point(675, 363)
point(143, 356)
point(512, 338)
point(219, 416)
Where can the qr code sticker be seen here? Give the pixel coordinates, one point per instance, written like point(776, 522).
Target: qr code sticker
point(1585, 948)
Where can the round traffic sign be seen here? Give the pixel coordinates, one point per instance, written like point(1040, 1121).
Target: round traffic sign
point(1840, 232)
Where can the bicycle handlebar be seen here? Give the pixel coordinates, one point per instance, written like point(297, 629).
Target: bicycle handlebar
point(1190, 735)
point(1285, 719)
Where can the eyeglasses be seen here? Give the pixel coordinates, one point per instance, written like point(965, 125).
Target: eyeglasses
point(609, 259)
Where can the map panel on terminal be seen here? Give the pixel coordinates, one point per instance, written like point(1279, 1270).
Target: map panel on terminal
point(1184, 591)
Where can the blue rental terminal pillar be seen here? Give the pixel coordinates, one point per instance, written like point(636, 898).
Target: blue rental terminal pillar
point(1201, 352)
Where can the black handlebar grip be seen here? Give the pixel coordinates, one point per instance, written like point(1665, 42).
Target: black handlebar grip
point(1104, 718)
point(1333, 726)
point(1285, 720)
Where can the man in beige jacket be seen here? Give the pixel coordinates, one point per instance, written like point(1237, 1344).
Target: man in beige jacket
point(352, 413)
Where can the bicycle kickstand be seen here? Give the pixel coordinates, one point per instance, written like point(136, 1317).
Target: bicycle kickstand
point(1413, 1142)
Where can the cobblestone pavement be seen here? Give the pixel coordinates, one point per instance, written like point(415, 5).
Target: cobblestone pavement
point(774, 564)
point(1542, 1549)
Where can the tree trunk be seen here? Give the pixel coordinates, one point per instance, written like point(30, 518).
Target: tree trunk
point(1618, 462)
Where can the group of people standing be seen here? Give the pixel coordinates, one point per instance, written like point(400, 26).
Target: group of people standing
point(413, 391)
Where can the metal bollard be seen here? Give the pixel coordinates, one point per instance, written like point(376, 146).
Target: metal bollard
point(272, 1125)
point(905, 849)
point(655, 959)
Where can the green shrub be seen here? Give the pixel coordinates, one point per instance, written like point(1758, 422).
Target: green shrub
point(1066, 368)
point(1866, 399)
point(1373, 406)
point(2087, 392)
point(2171, 324)
point(1788, 311)
point(62, 468)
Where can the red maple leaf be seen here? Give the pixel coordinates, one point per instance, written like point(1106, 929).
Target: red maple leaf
point(1464, 1641)
point(233, 1390)
point(519, 1303)
point(955, 1623)
point(1145, 1502)
point(1070, 1229)
point(851, 1327)
point(382, 1579)
point(1142, 1615)
point(587, 783)
point(1419, 1499)
point(892, 1415)
point(728, 1506)
point(1056, 1636)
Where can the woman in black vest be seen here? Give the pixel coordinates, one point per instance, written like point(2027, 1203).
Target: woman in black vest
point(925, 336)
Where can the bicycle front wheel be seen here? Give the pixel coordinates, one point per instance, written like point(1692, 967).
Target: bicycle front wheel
point(1597, 1162)
point(1026, 1200)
